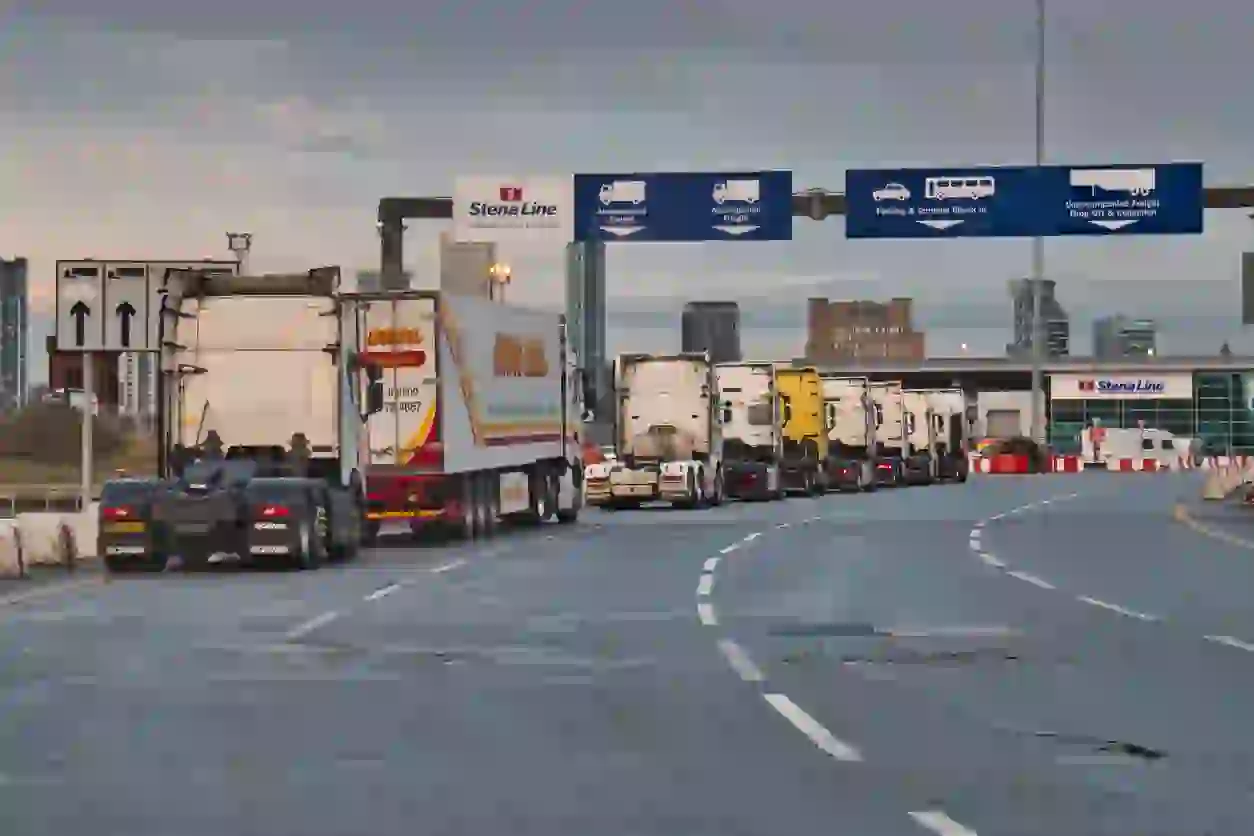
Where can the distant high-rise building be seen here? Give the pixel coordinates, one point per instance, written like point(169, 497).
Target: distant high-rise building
point(1055, 322)
point(713, 327)
point(862, 332)
point(1121, 336)
point(14, 328)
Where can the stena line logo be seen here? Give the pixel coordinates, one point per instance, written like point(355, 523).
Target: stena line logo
point(1131, 386)
point(512, 203)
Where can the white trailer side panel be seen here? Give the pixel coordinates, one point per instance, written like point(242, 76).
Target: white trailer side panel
point(917, 418)
point(398, 336)
point(501, 384)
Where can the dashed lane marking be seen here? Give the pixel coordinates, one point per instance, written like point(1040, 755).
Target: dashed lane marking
point(782, 525)
point(1231, 642)
point(302, 630)
point(813, 729)
point(941, 824)
point(706, 585)
point(46, 590)
point(1032, 579)
point(710, 565)
point(705, 612)
point(1115, 608)
point(974, 542)
point(740, 661)
point(448, 567)
point(383, 592)
point(749, 538)
point(991, 560)
point(729, 549)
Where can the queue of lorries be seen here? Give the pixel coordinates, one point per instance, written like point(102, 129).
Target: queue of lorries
point(694, 433)
point(299, 421)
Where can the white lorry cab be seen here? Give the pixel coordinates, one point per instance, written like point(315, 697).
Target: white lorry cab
point(920, 431)
point(849, 416)
point(951, 416)
point(753, 444)
point(669, 432)
point(890, 442)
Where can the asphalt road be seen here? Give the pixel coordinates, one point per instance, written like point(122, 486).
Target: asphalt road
point(955, 660)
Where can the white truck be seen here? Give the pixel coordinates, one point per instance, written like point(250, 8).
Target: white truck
point(753, 442)
point(890, 442)
point(920, 431)
point(668, 432)
point(261, 457)
point(474, 415)
point(849, 416)
point(952, 415)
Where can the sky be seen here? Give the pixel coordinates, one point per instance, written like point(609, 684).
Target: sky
point(138, 129)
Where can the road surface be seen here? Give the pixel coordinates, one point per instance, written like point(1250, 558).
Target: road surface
point(1020, 655)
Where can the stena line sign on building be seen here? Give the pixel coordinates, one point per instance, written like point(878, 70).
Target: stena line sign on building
point(514, 209)
point(1079, 387)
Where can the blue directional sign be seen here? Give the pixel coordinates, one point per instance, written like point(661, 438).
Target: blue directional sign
point(1011, 202)
point(684, 206)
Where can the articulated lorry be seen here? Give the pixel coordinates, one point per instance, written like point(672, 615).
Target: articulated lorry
point(668, 434)
point(801, 422)
point(849, 415)
point(919, 465)
point(753, 442)
point(260, 429)
point(890, 442)
point(474, 415)
point(950, 415)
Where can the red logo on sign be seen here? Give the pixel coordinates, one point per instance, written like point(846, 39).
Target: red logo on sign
point(511, 194)
point(1087, 386)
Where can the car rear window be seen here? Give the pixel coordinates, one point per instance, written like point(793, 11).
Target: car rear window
point(126, 491)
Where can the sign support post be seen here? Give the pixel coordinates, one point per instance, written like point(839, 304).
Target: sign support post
point(1039, 351)
point(89, 395)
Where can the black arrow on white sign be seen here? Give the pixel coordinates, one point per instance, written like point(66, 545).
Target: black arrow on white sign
point(126, 312)
point(80, 311)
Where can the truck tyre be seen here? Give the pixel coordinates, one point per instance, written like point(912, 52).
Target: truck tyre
point(469, 526)
point(566, 516)
point(717, 499)
point(306, 556)
point(554, 491)
point(490, 504)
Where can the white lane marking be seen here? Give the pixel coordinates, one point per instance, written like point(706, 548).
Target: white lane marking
point(710, 565)
point(813, 519)
point(705, 612)
point(974, 543)
point(783, 525)
point(740, 661)
point(1115, 608)
point(813, 729)
point(749, 538)
point(978, 525)
point(383, 592)
point(994, 631)
point(991, 560)
point(941, 824)
point(705, 585)
point(448, 567)
point(312, 624)
point(45, 590)
point(729, 549)
point(1231, 642)
point(995, 517)
point(1032, 579)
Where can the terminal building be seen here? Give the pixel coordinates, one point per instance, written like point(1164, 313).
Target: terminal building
point(1208, 398)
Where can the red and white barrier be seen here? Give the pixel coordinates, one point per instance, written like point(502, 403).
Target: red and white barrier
point(1075, 464)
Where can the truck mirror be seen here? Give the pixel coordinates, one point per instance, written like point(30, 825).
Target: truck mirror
point(374, 397)
point(727, 415)
point(373, 373)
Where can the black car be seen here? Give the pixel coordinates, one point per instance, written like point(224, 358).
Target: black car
point(229, 511)
point(889, 472)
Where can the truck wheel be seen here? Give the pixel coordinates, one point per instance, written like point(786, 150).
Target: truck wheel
point(306, 557)
point(489, 504)
point(717, 499)
point(469, 527)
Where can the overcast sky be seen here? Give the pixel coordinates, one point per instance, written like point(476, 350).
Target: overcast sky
point(137, 128)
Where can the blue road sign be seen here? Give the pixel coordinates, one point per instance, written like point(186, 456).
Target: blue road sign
point(1011, 202)
point(684, 206)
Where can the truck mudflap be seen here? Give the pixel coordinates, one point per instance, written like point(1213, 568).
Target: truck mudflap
point(751, 480)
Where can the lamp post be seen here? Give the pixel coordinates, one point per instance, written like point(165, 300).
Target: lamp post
point(1038, 247)
point(498, 279)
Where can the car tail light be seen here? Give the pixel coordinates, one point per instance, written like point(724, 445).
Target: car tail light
point(117, 512)
point(270, 512)
point(884, 466)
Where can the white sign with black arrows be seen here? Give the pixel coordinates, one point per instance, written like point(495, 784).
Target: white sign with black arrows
point(80, 297)
point(127, 295)
point(116, 305)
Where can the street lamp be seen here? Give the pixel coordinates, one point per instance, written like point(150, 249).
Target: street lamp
point(240, 243)
point(498, 279)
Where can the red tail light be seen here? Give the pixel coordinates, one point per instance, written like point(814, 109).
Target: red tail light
point(884, 466)
point(270, 512)
point(117, 512)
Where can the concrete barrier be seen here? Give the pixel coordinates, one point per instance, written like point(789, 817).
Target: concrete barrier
point(47, 540)
point(11, 563)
